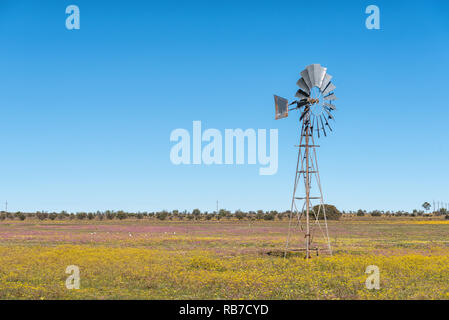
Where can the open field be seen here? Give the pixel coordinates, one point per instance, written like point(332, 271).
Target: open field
point(149, 259)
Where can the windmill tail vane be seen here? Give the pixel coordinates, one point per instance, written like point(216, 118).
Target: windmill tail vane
point(314, 103)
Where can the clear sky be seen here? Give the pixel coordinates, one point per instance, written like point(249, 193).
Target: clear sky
point(86, 115)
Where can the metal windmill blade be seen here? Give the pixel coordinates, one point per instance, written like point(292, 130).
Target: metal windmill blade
point(331, 87)
point(330, 105)
point(303, 85)
point(319, 76)
point(330, 97)
point(326, 80)
point(316, 74)
point(301, 94)
point(306, 77)
point(322, 124)
point(329, 115)
point(327, 124)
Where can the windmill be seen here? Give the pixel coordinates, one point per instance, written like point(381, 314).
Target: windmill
point(314, 103)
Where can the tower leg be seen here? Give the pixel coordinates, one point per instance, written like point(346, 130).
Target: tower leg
point(307, 188)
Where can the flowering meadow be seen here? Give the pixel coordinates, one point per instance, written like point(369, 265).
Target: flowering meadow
point(227, 259)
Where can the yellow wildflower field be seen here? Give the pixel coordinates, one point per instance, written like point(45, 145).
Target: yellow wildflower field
point(142, 259)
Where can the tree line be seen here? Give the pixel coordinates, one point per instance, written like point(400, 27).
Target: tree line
point(196, 214)
point(414, 213)
point(332, 213)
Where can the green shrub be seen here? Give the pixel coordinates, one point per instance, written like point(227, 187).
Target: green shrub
point(332, 213)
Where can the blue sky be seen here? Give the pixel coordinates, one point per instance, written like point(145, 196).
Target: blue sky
point(86, 115)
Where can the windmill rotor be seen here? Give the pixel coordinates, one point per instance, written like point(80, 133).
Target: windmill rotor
point(316, 96)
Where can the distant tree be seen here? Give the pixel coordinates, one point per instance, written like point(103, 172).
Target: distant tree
point(81, 215)
point(121, 215)
point(269, 216)
point(360, 213)
point(41, 215)
point(240, 214)
point(62, 215)
point(282, 215)
point(196, 213)
point(376, 213)
point(162, 215)
point(221, 214)
point(259, 214)
point(426, 206)
point(332, 213)
point(109, 214)
point(130, 214)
